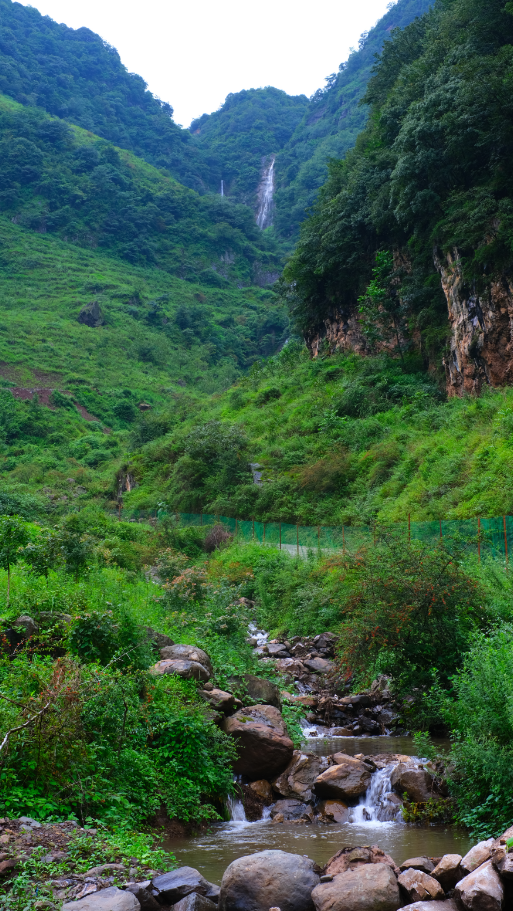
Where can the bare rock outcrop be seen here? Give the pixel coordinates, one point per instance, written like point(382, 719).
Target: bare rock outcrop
point(265, 749)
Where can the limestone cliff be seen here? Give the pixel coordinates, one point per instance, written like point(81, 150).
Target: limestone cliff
point(481, 339)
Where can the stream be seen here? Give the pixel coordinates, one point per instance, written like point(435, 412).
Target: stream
point(213, 851)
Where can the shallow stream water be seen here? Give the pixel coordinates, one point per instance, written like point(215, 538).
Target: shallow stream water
point(211, 853)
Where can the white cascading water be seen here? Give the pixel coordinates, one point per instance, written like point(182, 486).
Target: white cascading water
point(376, 805)
point(237, 812)
point(265, 196)
point(259, 634)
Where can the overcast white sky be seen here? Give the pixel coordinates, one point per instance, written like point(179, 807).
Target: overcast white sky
point(192, 53)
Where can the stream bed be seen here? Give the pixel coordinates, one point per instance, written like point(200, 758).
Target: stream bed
point(213, 851)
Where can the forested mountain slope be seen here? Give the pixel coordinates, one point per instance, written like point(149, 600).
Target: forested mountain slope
point(75, 75)
point(249, 126)
point(423, 206)
point(332, 121)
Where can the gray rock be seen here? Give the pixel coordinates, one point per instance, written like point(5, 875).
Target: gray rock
point(418, 863)
point(91, 315)
point(144, 896)
point(262, 691)
point(26, 626)
point(503, 862)
point(418, 784)
point(189, 670)
point(112, 899)
point(477, 855)
point(346, 781)
point(268, 879)
point(319, 665)
point(298, 778)
point(170, 888)
point(291, 810)
point(195, 902)
point(369, 887)
point(159, 640)
point(481, 890)
point(419, 886)
point(448, 905)
point(218, 699)
point(188, 653)
point(265, 748)
point(277, 650)
point(332, 811)
point(27, 820)
point(448, 871)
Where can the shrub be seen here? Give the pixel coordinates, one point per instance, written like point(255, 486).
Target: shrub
point(268, 395)
point(216, 538)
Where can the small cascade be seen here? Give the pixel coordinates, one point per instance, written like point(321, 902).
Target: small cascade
point(264, 216)
point(377, 804)
point(259, 634)
point(236, 808)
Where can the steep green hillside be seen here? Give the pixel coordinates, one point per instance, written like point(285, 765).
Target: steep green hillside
point(332, 122)
point(249, 126)
point(61, 179)
point(75, 75)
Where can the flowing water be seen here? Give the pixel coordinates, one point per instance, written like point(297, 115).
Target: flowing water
point(374, 821)
point(265, 196)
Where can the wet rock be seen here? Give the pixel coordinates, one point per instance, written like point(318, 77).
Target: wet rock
point(262, 691)
point(424, 864)
point(264, 747)
point(112, 899)
point(481, 890)
point(195, 902)
point(448, 871)
point(477, 855)
point(298, 778)
point(418, 784)
point(418, 886)
point(291, 668)
point(189, 670)
point(332, 811)
point(346, 781)
point(188, 653)
point(277, 650)
point(268, 879)
point(262, 789)
point(170, 888)
point(341, 732)
point(503, 862)
point(369, 887)
point(143, 895)
point(290, 810)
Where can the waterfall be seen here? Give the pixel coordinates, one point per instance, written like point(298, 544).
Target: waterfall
point(375, 805)
point(264, 216)
point(235, 806)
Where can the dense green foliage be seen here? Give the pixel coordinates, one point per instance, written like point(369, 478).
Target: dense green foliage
point(332, 121)
point(75, 75)
point(430, 172)
point(247, 128)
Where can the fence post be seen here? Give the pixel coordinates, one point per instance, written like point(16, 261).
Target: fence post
point(201, 522)
point(280, 535)
point(253, 520)
point(505, 538)
point(297, 540)
point(479, 539)
point(236, 527)
point(264, 534)
point(409, 527)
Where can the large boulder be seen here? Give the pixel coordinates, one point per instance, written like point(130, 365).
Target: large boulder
point(319, 665)
point(503, 862)
point(291, 810)
point(91, 315)
point(346, 781)
point(481, 890)
point(448, 905)
point(425, 864)
point(269, 879)
point(188, 653)
point(477, 855)
point(418, 886)
point(195, 902)
point(264, 747)
point(218, 699)
point(111, 899)
point(158, 640)
point(298, 778)
point(262, 691)
point(369, 887)
point(170, 888)
point(418, 784)
point(350, 858)
point(189, 670)
point(448, 871)
point(332, 811)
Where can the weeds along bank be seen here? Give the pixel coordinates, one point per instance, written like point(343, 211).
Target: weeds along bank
point(96, 735)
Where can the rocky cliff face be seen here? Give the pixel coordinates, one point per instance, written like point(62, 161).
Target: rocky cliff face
point(341, 332)
point(481, 341)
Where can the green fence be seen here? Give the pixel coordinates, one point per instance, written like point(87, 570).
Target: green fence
point(487, 537)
